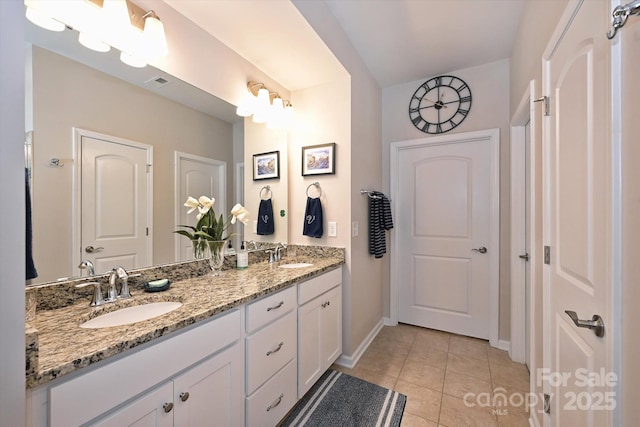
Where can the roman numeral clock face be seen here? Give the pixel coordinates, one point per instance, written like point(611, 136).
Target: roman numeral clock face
point(440, 104)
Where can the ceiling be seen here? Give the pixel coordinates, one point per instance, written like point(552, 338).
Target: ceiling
point(399, 40)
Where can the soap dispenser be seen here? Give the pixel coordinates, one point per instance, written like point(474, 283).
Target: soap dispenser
point(242, 257)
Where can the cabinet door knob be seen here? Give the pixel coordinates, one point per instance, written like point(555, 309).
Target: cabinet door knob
point(167, 407)
point(276, 403)
point(184, 396)
point(277, 349)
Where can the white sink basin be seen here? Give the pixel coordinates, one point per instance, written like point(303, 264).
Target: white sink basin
point(127, 315)
point(296, 265)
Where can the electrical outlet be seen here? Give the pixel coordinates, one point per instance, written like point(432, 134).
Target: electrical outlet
point(333, 229)
point(354, 229)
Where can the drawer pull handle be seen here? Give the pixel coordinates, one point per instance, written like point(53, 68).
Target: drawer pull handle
point(276, 403)
point(184, 396)
point(270, 352)
point(167, 407)
point(277, 306)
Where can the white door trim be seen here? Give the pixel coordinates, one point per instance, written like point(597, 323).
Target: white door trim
point(525, 113)
point(491, 136)
point(76, 213)
point(615, 293)
point(221, 204)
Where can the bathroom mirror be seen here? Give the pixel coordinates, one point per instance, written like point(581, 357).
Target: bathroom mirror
point(96, 92)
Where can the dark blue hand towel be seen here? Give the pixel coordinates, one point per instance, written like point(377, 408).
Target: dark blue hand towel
point(31, 272)
point(265, 218)
point(313, 218)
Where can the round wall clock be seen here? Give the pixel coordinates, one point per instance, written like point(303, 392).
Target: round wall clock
point(440, 104)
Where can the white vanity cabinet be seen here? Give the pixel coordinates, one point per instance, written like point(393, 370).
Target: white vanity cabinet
point(146, 386)
point(200, 396)
point(271, 347)
point(319, 327)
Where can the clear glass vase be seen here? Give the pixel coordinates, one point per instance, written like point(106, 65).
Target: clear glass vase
point(199, 248)
point(216, 255)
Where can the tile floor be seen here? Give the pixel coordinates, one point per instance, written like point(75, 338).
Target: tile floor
point(435, 370)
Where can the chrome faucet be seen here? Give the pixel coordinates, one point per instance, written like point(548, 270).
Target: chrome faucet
point(97, 298)
point(118, 273)
point(85, 263)
point(278, 250)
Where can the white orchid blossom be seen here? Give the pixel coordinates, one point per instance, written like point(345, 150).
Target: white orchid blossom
point(204, 204)
point(192, 204)
point(209, 227)
point(239, 213)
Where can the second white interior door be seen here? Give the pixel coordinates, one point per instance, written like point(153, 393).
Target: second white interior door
point(446, 199)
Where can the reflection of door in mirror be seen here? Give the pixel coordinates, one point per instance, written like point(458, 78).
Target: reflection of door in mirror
point(197, 176)
point(115, 202)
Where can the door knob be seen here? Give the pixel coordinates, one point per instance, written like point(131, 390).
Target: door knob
point(524, 257)
point(596, 323)
point(481, 249)
point(91, 249)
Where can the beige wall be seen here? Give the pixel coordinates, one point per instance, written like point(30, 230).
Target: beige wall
point(535, 31)
point(358, 127)
point(489, 109)
point(67, 95)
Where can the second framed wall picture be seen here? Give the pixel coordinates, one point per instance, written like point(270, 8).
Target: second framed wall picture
point(319, 159)
point(266, 165)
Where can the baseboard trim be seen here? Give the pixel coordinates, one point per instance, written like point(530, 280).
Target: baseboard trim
point(350, 361)
point(504, 345)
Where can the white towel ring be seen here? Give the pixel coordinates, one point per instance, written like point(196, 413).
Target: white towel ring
point(266, 188)
point(318, 188)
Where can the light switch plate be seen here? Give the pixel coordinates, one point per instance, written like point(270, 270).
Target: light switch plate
point(354, 229)
point(333, 229)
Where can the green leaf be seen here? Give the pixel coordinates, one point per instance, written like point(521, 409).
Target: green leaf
point(185, 233)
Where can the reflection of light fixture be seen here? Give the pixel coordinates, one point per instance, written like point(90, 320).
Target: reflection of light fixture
point(103, 24)
point(265, 106)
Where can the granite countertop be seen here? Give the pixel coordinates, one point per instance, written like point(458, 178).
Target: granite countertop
point(57, 346)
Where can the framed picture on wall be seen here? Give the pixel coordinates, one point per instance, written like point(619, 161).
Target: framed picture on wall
point(266, 165)
point(319, 159)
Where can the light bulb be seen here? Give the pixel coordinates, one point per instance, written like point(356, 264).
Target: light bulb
point(132, 60)
point(43, 20)
point(261, 112)
point(92, 42)
point(154, 41)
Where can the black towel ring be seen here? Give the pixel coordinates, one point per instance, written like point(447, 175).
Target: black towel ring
point(317, 185)
point(268, 190)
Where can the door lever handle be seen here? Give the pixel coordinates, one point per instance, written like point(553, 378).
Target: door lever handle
point(524, 257)
point(482, 250)
point(91, 249)
point(596, 323)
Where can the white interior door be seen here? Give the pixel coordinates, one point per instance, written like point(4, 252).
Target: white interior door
point(526, 256)
point(447, 253)
point(578, 217)
point(197, 176)
point(115, 202)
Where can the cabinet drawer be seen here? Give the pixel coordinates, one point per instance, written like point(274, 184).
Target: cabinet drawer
point(267, 406)
point(318, 285)
point(270, 308)
point(269, 349)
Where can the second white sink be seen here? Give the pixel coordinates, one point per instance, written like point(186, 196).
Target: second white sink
point(296, 265)
point(127, 315)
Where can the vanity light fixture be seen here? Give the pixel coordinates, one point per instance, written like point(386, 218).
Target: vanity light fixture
point(103, 24)
point(265, 107)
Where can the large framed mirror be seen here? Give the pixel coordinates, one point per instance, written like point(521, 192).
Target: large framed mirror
point(72, 89)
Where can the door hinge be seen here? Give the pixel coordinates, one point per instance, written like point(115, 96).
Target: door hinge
point(547, 403)
point(148, 167)
point(547, 255)
point(545, 100)
point(147, 231)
